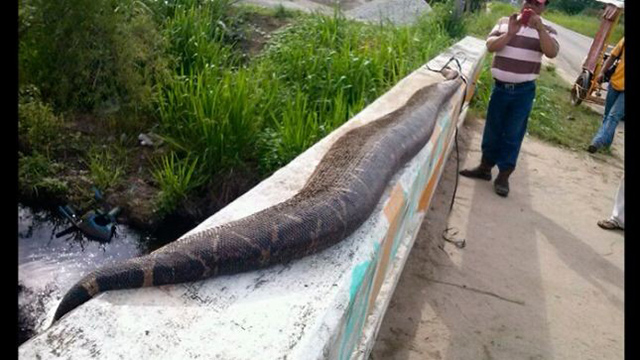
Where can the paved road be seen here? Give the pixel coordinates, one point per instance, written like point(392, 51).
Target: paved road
point(573, 51)
point(574, 48)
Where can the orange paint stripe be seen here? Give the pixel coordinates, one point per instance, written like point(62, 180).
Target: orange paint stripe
point(470, 92)
point(436, 132)
point(472, 85)
point(428, 190)
point(394, 205)
point(392, 210)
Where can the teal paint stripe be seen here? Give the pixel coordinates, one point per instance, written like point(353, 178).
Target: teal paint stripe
point(356, 278)
point(361, 284)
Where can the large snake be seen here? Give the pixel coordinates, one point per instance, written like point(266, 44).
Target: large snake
point(339, 196)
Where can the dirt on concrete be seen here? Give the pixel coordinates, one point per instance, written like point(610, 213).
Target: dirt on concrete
point(537, 279)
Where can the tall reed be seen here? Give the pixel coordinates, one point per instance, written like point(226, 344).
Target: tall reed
point(312, 77)
point(215, 114)
point(332, 68)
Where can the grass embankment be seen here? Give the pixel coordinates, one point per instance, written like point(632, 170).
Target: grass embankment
point(230, 102)
point(587, 25)
point(552, 118)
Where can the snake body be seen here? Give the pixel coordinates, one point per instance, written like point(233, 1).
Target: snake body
point(339, 196)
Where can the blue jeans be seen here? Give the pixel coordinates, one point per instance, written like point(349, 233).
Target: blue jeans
point(507, 117)
point(613, 112)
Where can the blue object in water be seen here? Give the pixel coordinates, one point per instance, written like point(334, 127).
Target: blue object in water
point(96, 225)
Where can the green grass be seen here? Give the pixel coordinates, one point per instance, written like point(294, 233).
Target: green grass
point(327, 78)
point(216, 115)
point(281, 12)
point(199, 35)
point(482, 93)
point(584, 24)
point(37, 176)
point(555, 120)
point(312, 77)
point(176, 179)
point(106, 168)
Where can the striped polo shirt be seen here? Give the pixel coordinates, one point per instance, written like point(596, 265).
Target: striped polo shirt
point(520, 60)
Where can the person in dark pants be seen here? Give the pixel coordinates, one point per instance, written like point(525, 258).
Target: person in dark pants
point(516, 65)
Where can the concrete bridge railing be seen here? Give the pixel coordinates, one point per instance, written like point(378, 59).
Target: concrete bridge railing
point(325, 306)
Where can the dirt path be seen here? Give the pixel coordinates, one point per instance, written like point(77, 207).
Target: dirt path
point(538, 279)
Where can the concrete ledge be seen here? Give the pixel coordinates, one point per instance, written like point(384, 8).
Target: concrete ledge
point(328, 305)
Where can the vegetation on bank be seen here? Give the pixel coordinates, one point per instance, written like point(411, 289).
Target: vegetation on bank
point(586, 24)
point(192, 73)
point(228, 94)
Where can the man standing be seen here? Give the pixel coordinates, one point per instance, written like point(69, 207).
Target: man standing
point(614, 104)
point(518, 49)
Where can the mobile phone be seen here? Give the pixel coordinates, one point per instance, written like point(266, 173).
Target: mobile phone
point(525, 15)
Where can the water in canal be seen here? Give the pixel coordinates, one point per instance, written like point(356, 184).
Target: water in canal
point(49, 266)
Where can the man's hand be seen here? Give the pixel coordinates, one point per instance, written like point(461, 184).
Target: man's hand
point(548, 45)
point(607, 64)
point(514, 25)
point(535, 21)
point(497, 43)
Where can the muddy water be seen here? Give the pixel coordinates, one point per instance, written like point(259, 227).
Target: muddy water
point(49, 266)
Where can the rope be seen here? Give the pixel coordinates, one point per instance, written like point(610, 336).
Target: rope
point(445, 234)
point(460, 244)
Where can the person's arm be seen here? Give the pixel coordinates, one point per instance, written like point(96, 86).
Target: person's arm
point(607, 64)
point(548, 44)
point(497, 43)
point(605, 67)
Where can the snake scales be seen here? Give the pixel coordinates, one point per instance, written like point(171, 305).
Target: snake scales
point(339, 196)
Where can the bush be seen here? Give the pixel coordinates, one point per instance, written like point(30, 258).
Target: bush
point(91, 54)
point(37, 176)
point(445, 16)
point(200, 35)
point(38, 127)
